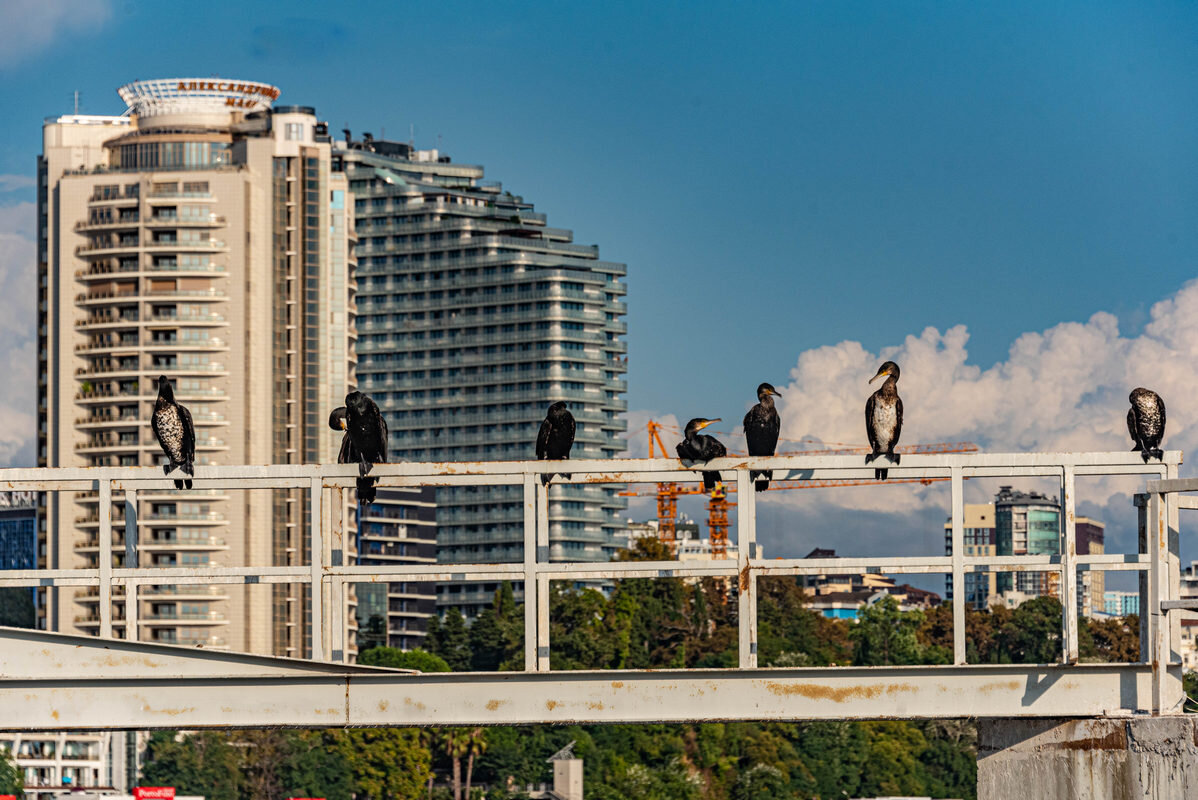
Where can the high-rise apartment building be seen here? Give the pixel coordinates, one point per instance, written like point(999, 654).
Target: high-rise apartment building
point(474, 316)
point(1029, 523)
point(980, 540)
point(202, 235)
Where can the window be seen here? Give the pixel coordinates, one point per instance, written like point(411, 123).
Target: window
point(294, 132)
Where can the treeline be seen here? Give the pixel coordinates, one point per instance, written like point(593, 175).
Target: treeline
point(649, 623)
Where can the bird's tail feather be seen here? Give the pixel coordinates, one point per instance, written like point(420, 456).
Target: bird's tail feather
point(366, 490)
point(179, 484)
point(880, 474)
point(761, 480)
point(710, 479)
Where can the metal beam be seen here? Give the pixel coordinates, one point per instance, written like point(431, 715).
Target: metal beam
point(506, 698)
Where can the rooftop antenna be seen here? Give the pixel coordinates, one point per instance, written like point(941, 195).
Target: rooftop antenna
point(76, 102)
point(412, 135)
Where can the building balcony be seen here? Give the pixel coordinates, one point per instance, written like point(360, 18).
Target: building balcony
point(189, 295)
point(160, 220)
point(188, 318)
point(108, 321)
point(183, 592)
point(185, 246)
point(171, 196)
point(105, 297)
point(120, 247)
point(189, 544)
point(107, 421)
point(108, 197)
point(127, 222)
point(175, 618)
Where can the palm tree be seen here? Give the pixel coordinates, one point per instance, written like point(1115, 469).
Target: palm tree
point(477, 745)
point(457, 743)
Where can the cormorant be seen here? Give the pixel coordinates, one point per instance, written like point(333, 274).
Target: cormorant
point(556, 437)
point(884, 417)
point(348, 455)
point(701, 447)
point(175, 432)
point(1146, 422)
point(761, 431)
point(367, 433)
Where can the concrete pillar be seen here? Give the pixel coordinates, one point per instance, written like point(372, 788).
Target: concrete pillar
point(567, 778)
point(1134, 758)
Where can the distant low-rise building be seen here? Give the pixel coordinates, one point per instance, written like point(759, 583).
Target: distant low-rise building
point(1120, 604)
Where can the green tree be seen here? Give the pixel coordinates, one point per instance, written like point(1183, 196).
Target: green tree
point(204, 763)
point(760, 782)
point(385, 763)
point(395, 658)
point(476, 746)
point(790, 634)
point(452, 641)
point(893, 765)
point(11, 779)
point(315, 767)
point(16, 609)
point(1032, 635)
point(884, 635)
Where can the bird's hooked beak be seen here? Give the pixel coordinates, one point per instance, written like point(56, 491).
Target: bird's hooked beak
point(775, 393)
point(710, 422)
point(881, 371)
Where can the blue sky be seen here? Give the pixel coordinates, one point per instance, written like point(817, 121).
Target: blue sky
point(779, 177)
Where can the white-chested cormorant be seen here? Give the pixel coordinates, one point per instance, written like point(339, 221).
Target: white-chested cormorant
point(175, 432)
point(1146, 422)
point(556, 437)
point(884, 417)
point(761, 432)
point(367, 433)
point(349, 455)
point(701, 447)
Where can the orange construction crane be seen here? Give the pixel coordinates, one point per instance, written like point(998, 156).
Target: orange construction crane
point(718, 503)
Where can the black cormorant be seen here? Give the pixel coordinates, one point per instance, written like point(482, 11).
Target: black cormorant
point(1146, 423)
point(761, 432)
point(175, 432)
point(366, 431)
point(556, 437)
point(349, 455)
point(701, 447)
point(884, 417)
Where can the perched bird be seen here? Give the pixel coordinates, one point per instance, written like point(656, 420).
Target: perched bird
point(175, 432)
point(761, 431)
point(1146, 422)
point(349, 455)
point(884, 417)
point(365, 440)
point(556, 437)
point(701, 447)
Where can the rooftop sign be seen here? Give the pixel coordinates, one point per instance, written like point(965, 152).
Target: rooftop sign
point(196, 95)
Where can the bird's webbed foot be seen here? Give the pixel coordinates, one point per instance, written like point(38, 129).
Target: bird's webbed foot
point(893, 456)
point(1158, 454)
point(871, 457)
point(166, 468)
point(364, 468)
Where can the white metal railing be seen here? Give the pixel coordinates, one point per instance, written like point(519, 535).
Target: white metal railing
point(328, 571)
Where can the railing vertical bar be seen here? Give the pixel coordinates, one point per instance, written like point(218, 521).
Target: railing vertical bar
point(104, 556)
point(132, 560)
point(530, 572)
point(131, 528)
point(131, 624)
point(1173, 692)
point(336, 599)
point(958, 548)
point(746, 548)
point(1157, 644)
point(1141, 503)
point(540, 598)
point(1069, 567)
point(316, 562)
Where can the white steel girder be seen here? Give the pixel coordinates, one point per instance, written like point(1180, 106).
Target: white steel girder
point(112, 684)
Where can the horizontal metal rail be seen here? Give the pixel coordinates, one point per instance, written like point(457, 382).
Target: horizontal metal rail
point(327, 574)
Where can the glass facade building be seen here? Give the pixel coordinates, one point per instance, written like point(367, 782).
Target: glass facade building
point(474, 316)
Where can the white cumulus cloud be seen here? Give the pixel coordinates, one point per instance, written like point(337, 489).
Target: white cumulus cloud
point(1061, 389)
point(30, 26)
point(18, 301)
